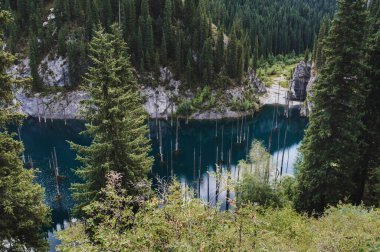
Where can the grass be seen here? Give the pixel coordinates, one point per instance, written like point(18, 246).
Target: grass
point(279, 70)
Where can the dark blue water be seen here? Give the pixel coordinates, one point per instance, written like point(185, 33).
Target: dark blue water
point(41, 138)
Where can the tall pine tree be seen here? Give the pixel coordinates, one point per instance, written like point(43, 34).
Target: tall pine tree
point(219, 52)
point(369, 177)
point(34, 62)
point(330, 150)
point(23, 213)
point(116, 121)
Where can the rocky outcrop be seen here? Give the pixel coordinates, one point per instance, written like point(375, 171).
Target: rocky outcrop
point(52, 106)
point(160, 101)
point(20, 70)
point(255, 82)
point(299, 82)
point(308, 105)
point(53, 70)
point(161, 97)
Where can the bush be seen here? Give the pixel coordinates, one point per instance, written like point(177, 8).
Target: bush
point(178, 223)
point(253, 190)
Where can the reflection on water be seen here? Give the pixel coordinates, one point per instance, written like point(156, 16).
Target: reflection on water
point(196, 136)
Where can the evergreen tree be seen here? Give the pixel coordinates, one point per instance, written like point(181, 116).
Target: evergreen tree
point(62, 42)
point(219, 53)
point(59, 12)
point(34, 62)
point(232, 58)
point(320, 57)
point(314, 53)
point(167, 28)
point(76, 57)
point(369, 176)
point(207, 62)
point(178, 55)
point(140, 51)
point(90, 19)
point(189, 69)
point(164, 52)
point(330, 149)
point(13, 37)
point(131, 17)
point(306, 56)
point(256, 56)
point(23, 12)
point(149, 44)
point(240, 62)
point(106, 13)
point(23, 213)
point(116, 121)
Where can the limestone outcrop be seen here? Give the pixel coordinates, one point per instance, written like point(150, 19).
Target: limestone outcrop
point(299, 82)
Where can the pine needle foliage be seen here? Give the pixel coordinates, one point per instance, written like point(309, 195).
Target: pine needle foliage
point(116, 121)
point(23, 213)
point(331, 148)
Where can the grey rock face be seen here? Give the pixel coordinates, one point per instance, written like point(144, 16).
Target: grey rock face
point(301, 77)
point(51, 106)
point(52, 70)
point(255, 82)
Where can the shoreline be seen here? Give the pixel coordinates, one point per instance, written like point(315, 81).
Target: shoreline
point(66, 106)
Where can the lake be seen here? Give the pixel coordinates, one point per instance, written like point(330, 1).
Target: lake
point(210, 140)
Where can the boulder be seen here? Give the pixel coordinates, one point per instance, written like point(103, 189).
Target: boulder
point(300, 80)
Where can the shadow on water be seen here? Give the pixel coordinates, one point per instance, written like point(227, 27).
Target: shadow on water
point(41, 138)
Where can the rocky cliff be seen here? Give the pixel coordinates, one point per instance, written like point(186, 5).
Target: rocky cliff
point(159, 101)
point(308, 105)
point(53, 70)
point(300, 81)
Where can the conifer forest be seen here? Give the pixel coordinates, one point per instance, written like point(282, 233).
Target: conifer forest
point(189, 125)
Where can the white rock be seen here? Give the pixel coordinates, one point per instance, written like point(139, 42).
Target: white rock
point(54, 72)
point(54, 106)
point(22, 70)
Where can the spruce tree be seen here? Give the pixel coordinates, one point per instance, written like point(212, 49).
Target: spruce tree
point(76, 58)
point(320, 57)
point(23, 213)
point(256, 56)
point(219, 52)
point(164, 52)
point(207, 62)
point(189, 69)
point(306, 56)
point(34, 62)
point(148, 41)
point(330, 150)
point(140, 51)
point(369, 177)
point(90, 19)
point(131, 17)
point(106, 13)
point(178, 54)
point(116, 121)
point(232, 57)
point(240, 61)
point(167, 29)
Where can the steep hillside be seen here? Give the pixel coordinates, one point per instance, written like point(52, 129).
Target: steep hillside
point(203, 42)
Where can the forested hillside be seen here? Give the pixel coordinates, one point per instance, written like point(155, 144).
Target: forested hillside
point(201, 41)
point(330, 201)
point(279, 26)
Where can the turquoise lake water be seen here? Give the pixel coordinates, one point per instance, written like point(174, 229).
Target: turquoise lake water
point(41, 138)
